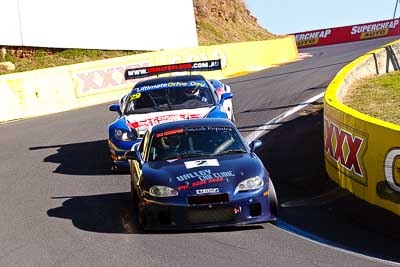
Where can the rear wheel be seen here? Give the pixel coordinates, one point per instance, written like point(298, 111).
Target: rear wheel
point(114, 167)
point(273, 200)
point(118, 169)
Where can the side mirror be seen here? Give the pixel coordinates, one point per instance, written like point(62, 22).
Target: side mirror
point(224, 97)
point(255, 144)
point(116, 108)
point(133, 155)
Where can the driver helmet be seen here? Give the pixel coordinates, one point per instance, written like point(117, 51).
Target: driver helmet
point(191, 91)
point(170, 142)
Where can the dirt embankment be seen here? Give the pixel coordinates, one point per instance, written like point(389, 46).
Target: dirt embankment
point(225, 21)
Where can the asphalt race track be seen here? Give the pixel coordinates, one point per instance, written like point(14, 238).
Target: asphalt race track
point(61, 206)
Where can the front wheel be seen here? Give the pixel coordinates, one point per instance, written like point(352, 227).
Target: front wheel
point(137, 209)
point(273, 200)
point(114, 167)
point(233, 118)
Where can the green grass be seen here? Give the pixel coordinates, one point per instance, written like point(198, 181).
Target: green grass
point(378, 97)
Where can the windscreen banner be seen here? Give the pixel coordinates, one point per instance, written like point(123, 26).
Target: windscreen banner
point(347, 34)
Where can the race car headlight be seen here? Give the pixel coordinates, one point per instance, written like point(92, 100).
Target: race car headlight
point(124, 135)
point(250, 184)
point(162, 191)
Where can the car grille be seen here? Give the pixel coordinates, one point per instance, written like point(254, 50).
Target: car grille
point(210, 215)
point(208, 199)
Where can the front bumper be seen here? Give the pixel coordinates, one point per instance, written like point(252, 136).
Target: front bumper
point(252, 210)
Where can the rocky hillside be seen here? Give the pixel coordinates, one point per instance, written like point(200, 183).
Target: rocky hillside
point(222, 21)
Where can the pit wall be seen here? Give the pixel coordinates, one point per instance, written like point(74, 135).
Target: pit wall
point(362, 153)
point(45, 91)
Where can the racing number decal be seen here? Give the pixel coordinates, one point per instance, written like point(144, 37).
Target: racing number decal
point(135, 96)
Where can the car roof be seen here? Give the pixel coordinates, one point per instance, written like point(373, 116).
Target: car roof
point(181, 78)
point(191, 124)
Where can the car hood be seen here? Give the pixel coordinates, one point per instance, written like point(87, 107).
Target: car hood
point(224, 172)
point(143, 121)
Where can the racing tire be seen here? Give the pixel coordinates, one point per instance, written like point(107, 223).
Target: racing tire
point(233, 119)
point(137, 210)
point(114, 168)
point(117, 170)
point(273, 200)
point(141, 219)
point(133, 195)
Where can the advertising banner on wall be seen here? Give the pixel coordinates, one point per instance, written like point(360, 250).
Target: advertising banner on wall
point(45, 91)
point(120, 25)
point(346, 34)
point(362, 153)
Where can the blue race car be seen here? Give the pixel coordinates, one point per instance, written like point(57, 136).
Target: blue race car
point(199, 174)
point(165, 99)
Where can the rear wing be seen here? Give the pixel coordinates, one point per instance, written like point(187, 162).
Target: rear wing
point(207, 65)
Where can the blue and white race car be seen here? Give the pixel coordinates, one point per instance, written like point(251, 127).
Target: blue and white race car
point(199, 174)
point(165, 99)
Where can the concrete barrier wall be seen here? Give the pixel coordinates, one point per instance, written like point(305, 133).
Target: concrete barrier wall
point(64, 88)
point(362, 153)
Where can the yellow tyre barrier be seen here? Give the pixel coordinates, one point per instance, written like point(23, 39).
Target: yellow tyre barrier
point(362, 153)
point(63, 88)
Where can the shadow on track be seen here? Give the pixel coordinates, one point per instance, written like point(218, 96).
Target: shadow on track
point(114, 213)
point(106, 213)
point(314, 206)
point(87, 158)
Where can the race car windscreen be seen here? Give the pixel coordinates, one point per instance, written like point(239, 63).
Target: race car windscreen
point(195, 142)
point(169, 96)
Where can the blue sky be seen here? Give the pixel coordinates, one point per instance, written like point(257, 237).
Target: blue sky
point(290, 16)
